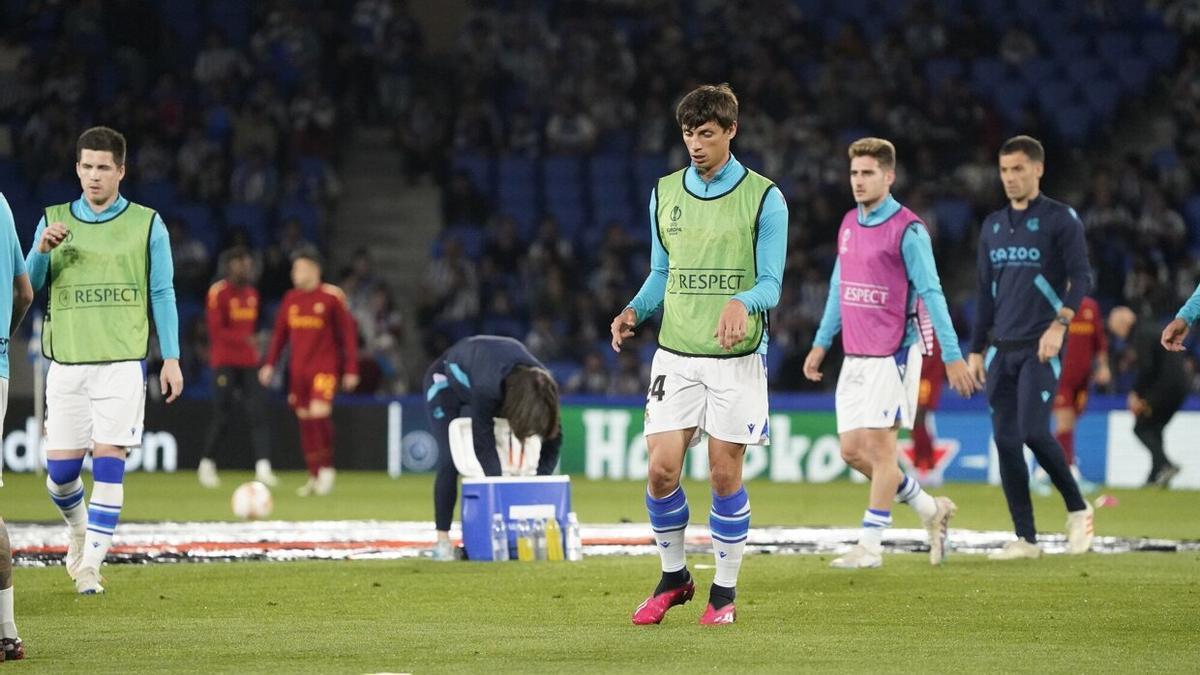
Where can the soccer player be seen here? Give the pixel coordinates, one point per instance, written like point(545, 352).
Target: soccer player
point(315, 322)
point(1158, 391)
point(1086, 345)
point(484, 377)
point(1033, 272)
point(929, 395)
point(12, 266)
point(883, 275)
point(106, 265)
point(232, 314)
point(719, 239)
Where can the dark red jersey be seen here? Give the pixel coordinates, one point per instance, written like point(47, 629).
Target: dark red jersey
point(318, 326)
point(232, 313)
point(1085, 339)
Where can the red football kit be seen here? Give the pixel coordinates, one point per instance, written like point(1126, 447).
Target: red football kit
point(232, 314)
point(1085, 339)
point(324, 342)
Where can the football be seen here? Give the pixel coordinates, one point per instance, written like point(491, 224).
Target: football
point(252, 501)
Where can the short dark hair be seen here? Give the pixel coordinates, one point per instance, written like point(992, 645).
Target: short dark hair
point(708, 103)
point(1027, 144)
point(237, 252)
point(531, 403)
point(307, 253)
point(102, 139)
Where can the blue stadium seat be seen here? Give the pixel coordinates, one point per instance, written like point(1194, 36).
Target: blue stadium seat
point(954, 217)
point(157, 194)
point(1011, 97)
point(1037, 71)
point(1161, 47)
point(251, 218)
point(571, 217)
point(986, 73)
point(1073, 123)
point(199, 219)
point(1053, 95)
point(516, 172)
point(1084, 71)
point(1102, 96)
point(477, 168)
point(562, 371)
point(1165, 159)
point(232, 18)
point(1069, 47)
point(647, 169)
point(1134, 73)
point(471, 238)
point(1114, 46)
point(57, 192)
point(1191, 213)
point(937, 71)
point(308, 215)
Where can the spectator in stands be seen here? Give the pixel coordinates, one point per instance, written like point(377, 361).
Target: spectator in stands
point(592, 379)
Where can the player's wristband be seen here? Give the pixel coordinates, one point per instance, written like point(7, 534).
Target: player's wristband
point(1062, 320)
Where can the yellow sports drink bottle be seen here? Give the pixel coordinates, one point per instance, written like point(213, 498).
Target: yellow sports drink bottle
point(524, 542)
point(554, 540)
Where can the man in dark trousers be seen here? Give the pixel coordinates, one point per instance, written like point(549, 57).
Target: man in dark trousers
point(1158, 390)
point(232, 311)
point(484, 377)
point(1032, 274)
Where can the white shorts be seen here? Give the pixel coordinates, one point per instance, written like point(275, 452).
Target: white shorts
point(102, 403)
point(725, 397)
point(874, 392)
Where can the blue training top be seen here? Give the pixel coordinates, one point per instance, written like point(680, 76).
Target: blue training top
point(12, 265)
point(917, 250)
point(1031, 263)
point(162, 269)
point(770, 253)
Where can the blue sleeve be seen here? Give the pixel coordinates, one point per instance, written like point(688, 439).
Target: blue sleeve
point(162, 290)
point(650, 297)
point(831, 320)
point(1191, 309)
point(770, 254)
point(985, 301)
point(8, 226)
point(1074, 251)
point(37, 263)
point(917, 250)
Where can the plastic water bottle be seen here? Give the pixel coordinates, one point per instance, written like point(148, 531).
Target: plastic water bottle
point(554, 540)
point(524, 541)
point(574, 543)
point(539, 538)
point(499, 538)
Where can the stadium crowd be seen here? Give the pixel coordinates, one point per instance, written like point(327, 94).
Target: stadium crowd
point(547, 123)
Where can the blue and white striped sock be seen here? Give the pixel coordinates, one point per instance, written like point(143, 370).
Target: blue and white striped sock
point(66, 491)
point(910, 493)
point(729, 521)
point(874, 522)
point(108, 496)
point(669, 518)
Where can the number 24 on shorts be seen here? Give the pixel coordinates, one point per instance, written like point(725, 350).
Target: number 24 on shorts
point(656, 388)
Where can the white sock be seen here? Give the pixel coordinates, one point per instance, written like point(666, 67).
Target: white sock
point(8, 627)
point(262, 467)
point(729, 522)
point(669, 519)
point(69, 499)
point(873, 524)
point(910, 493)
point(105, 509)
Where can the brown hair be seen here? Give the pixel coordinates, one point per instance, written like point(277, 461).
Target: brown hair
point(102, 139)
point(708, 103)
point(1026, 144)
point(531, 403)
point(879, 148)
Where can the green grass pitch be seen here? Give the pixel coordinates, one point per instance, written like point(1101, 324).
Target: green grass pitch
point(1096, 613)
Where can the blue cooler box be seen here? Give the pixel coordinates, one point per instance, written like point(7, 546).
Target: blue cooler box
point(515, 498)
